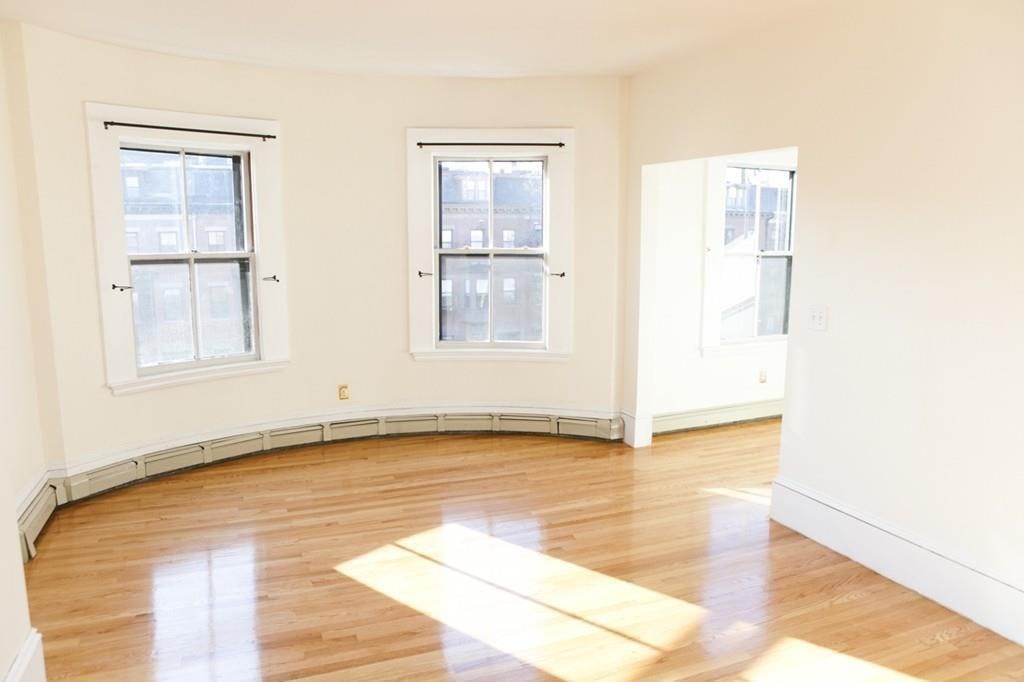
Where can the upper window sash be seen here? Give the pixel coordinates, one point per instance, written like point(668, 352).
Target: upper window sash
point(739, 200)
point(186, 195)
point(464, 170)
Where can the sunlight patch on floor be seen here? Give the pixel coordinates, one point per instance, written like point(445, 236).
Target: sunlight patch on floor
point(566, 620)
point(762, 496)
point(794, 660)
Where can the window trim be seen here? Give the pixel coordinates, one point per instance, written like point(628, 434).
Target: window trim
point(266, 230)
point(424, 290)
point(714, 235)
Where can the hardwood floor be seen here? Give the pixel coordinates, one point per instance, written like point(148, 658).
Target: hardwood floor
point(480, 557)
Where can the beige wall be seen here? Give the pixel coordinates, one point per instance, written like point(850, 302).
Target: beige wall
point(908, 120)
point(21, 458)
point(26, 445)
point(343, 146)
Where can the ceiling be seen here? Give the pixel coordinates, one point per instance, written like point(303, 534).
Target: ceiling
point(441, 37)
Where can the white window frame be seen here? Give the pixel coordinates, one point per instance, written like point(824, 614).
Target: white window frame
point(714, 238)
point(270, 334)
point(194, 257)
point(424, 291)
point(477, 247)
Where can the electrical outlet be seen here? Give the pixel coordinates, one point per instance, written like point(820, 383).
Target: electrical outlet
point(343, 392)
point(762, 376)
point(818, 320)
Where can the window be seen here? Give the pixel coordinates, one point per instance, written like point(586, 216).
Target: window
point(446, 294)
point(490, 225)
point(131, 185)
point(510, 203)
point(476, 239)
point(168, 241)
point(474, 189)
point(187, 198)
point(757, 257)
point(215, 240)
point(191, 288)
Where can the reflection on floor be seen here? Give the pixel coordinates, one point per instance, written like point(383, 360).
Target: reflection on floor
point(479, 557)
point(205, 602)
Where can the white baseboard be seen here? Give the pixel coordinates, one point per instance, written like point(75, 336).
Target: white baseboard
point(987, 600)
point(91, 461)
point(726, 414)
point(29, 493)
point(637, 430)
point(80, 481)
point(28, 665)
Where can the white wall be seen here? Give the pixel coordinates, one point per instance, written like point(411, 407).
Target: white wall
point(21, 458)
point(686, 202)
point(343, 146)
point(907, 116)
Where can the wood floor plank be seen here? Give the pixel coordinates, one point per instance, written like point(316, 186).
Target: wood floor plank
point(479, 557)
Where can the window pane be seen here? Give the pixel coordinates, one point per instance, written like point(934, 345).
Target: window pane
point(519, 203)
point(519, 309)
point(225, 309)
point(465, 203)
point(216, 209)
point(465, 304)
point(151, 186)
point(776, 190)
point(740, 209)
point(736, 296)
point(773, 295)
point(162, 312)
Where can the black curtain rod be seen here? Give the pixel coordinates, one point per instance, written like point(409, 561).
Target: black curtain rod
point(490, 144)
point(107, 124)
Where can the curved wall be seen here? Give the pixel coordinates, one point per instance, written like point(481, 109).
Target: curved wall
point(343, 149)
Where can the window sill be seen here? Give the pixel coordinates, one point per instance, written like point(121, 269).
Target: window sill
point(740, 347)
point(501, 354)
point(191, 376)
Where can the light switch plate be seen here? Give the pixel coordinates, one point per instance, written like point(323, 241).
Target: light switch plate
point(818, 319)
